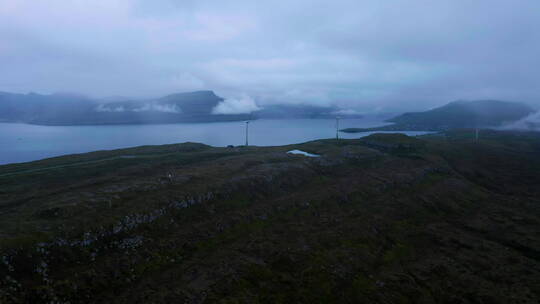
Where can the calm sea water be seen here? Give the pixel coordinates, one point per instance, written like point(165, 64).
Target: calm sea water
point(22, 142)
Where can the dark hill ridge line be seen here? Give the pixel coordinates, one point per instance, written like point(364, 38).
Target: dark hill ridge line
point(457, 114)
point(386, 218)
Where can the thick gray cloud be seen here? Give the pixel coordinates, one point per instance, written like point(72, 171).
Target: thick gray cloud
point(361, 55)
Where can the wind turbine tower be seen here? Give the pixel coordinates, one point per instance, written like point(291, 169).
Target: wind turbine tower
point(337, 127)
point(247, 132)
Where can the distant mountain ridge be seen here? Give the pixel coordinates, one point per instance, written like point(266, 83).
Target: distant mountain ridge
point(469, 113)
point(198, 106)
point(68, 109)
point(34, 107)
point(301, 111)
point(457, 114)
point(191, 103)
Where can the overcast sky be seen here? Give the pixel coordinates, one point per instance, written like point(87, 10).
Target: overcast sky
point(366, 55)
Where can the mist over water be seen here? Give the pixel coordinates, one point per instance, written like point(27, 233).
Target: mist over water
point(23, 142)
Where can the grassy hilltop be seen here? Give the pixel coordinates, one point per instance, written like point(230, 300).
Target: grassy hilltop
point(383, 219)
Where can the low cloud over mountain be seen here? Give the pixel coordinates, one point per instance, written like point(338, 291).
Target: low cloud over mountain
point(198, 106)
point(146, 107)
point(242, 105)
point(530, 123)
